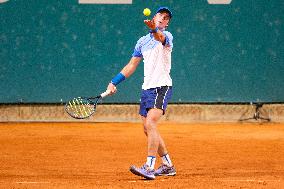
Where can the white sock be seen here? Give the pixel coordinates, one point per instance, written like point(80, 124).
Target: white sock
point(167, 160)
point(151, 161)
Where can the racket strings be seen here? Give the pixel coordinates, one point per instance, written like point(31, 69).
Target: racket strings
point(80, 108)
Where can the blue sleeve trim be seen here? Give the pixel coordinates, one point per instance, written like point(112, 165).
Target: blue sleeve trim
point(136, 53)
point(117, 79)
point(168, 39)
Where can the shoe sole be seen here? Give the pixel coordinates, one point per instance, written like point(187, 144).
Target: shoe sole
point(168, 174)
point(135, 172)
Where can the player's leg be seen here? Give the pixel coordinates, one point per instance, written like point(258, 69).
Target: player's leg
point(150, 129)
point(162, 96)
point(162, 150)
point(166, 168)
point(147, 170)
point(153, 140)
point(153, 135)
point(161, 102)
point(151, 110)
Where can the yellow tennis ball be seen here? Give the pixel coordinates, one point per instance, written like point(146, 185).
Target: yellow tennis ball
point(147, 12)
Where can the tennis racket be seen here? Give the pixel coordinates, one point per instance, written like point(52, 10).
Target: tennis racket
point(83, 107)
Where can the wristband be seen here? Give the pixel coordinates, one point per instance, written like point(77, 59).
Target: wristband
point(154, 30)
point(117, 79)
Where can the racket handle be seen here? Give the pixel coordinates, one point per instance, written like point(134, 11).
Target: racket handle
point(106, 93)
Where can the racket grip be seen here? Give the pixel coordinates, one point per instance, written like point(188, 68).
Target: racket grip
point(106, 93)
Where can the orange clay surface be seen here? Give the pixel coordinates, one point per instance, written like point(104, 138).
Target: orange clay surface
point(98, 155)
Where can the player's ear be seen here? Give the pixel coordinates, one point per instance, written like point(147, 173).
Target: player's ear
point(168, 23)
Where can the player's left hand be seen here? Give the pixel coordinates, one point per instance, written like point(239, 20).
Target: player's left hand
point(152, 24)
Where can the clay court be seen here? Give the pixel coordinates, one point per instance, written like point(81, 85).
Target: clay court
point(98, 155)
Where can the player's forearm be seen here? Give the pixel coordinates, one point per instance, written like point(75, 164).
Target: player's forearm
point(126, 71)
point(130, 68)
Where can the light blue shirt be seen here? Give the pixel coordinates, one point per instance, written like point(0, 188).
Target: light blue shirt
point(157, 60)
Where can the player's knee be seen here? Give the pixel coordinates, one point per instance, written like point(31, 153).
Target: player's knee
point(152, 120)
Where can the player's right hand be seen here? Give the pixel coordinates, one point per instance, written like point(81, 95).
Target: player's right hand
point(112, 88)
point(150, 23)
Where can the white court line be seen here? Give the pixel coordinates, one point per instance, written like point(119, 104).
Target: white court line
point(219, 1)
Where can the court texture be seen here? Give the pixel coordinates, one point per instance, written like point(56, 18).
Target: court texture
point(40, 153)
point(98, 155)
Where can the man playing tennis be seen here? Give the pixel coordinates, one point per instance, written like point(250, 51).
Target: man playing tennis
point(155, 48)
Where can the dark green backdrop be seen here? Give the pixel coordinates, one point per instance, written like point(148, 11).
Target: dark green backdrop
point(53, 50)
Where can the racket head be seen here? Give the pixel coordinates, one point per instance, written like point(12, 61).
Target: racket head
point(81, 107)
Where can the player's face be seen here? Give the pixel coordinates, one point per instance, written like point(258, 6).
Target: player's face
point(162, 19)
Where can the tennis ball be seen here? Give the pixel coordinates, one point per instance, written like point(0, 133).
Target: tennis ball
point(147, 12)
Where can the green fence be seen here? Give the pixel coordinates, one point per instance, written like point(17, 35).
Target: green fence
point(53, 50)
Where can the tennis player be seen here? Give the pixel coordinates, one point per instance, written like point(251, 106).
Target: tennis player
point(155, 49)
